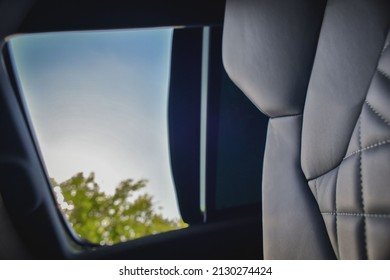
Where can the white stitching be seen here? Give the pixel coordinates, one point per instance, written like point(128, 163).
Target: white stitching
point(377, 113)
point(367, 215)
point(383, 72)
point(362, 188)
point(385, 142)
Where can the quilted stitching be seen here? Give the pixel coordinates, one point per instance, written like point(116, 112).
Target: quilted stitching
point(386, 75)
point(362, 189)
point(377, 113)
point(367, 215)
point(373, 146)
point(341, 210)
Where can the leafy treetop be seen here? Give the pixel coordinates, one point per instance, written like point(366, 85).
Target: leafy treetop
point(108, 219)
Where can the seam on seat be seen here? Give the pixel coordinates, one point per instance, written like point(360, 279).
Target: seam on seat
point(316, 188)
point(387, 141)
point(386, 121)
point(361, 213)
point(369, 147)
point(286, 116)
point(386, 75)
point(355, 214)
point(336, 218)
point(323, 174)
point(362, 189)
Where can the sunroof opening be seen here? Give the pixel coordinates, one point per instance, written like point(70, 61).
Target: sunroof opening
point(97, 102)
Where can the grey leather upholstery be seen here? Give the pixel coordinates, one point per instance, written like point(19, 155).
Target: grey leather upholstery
point(321, 72)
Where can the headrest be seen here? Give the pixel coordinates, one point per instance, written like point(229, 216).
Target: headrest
point(269, 48)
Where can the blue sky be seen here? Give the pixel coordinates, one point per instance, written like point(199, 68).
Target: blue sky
point(98, 102)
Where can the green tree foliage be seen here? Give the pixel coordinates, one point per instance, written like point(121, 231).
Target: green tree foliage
point(108, 219)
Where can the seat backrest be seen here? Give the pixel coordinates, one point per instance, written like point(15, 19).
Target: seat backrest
point(321, 71)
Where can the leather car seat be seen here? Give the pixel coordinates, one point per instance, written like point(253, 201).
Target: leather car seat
point(321, 71)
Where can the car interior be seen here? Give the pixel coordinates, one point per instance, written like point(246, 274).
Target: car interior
point(287, 156)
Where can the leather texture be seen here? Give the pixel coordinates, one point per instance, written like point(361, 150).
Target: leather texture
point(352, 37)
point(268, 50)
point(292, 224)
point(338, 143)
point(354, 197)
